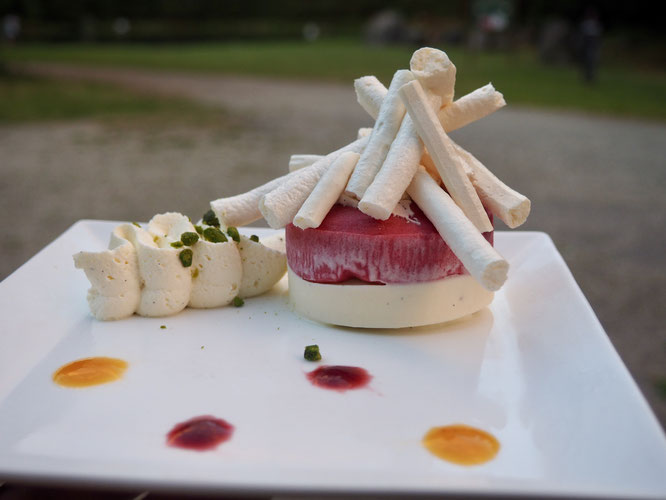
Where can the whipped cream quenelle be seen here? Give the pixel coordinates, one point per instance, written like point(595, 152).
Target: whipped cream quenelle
point(263, 264)
point(115, 290)
point(150, 271)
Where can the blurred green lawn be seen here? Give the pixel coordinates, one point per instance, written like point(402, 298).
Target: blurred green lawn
point(25, 98)
point(621, 90)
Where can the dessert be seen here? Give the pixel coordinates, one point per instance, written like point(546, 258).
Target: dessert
point(394, 229)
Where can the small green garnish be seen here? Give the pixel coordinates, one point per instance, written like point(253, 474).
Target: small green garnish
point(185, 257)
point(211, 219)
point(233, 234)
point(214, 235)
point(136, 224)
point(238, 302)
point(254, 237)
point(177, 244)
point(195, 273)
point(198, 229)
point(189, 238)
point(163, 327)
point(312, 353)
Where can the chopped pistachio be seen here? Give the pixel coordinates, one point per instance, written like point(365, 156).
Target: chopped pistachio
point(233, 233)
point(238, 302)
point(195, 273)
point(163, 327)
point(189, 238)
point(214, 235)
point(211, 219)
point(312, 353)
point(177, 244)
point(254, 237)
point(198, 229)
point(136, 224)
point(185, 257)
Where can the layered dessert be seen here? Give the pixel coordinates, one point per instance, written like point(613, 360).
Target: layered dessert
point(354, 270)
point(394, 229)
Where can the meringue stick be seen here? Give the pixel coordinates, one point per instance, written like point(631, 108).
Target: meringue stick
point(510, 206)
point(370, 93)
point(398, 169)
point(386, 127)
point(296, 162)
point(326, 192)
point(431, 168)
point(299, 162)
point(243, 209)
point(503, 201)
point(477, 255)
point(435, 71)
point(471, 107)
point(467, 109)
point(364, 132)
point(279, 206)
point(447, 160)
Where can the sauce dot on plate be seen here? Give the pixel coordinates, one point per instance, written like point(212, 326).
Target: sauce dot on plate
point(90, 371)
point(339, 378)
point(200, 433)
point(461, 444)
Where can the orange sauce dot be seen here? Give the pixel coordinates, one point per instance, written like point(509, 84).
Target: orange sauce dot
point(461, 444)
point(90, 371)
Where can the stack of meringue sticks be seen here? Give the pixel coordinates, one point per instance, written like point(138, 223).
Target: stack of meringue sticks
point(406, 154)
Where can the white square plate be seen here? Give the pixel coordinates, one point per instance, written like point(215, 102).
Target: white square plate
point(536, 370)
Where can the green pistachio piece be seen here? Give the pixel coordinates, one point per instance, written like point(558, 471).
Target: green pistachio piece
point(233, 234)
point(189, 238)
point(185, 257)
point(211, 219)
point(214, 235)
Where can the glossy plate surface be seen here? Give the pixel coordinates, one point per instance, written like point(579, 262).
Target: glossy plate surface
point(535, 369)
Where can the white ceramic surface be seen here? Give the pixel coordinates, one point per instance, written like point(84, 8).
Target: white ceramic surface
point(535, 369)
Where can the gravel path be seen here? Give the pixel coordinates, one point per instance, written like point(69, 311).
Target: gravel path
point(596, 184)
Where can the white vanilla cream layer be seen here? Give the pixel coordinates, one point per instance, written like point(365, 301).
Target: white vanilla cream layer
point(361, 305)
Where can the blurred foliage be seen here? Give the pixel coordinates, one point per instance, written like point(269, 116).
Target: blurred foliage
point(621, 89)
point(210, 19)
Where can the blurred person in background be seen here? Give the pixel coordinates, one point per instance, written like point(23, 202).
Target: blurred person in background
point(11, 27)
point(590, 44)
